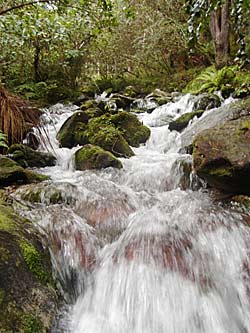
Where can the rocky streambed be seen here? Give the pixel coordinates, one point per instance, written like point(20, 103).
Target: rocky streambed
point(119, 204)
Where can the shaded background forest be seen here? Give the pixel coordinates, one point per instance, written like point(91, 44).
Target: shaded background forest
point(49, 50)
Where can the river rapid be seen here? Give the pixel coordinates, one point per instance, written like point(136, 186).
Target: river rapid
point(144, 249)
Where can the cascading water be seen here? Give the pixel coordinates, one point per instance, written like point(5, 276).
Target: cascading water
point(134, 250)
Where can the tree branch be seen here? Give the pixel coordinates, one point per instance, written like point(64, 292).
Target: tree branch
point(22, 5)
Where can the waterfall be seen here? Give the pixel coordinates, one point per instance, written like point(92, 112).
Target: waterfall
point(134, 250)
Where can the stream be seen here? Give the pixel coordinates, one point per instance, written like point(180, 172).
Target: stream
point(144, 249)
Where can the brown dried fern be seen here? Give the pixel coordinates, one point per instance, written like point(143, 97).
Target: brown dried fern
point(16, 116)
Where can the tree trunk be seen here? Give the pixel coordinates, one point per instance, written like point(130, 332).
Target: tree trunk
point(220, 31)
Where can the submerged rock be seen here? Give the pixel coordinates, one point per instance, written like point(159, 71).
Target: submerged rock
point(94, 157)
point(48, 194)
point(206, 102)
point(27, 157)
point(12, 173)
point(222, 156)
point(180, 123)
point(28, 300)
point(133, 130)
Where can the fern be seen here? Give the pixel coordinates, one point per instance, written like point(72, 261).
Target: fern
point(211, 80)
point(3, 140)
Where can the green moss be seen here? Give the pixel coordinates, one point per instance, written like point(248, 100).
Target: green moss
point(4, 255)
point(66, 134)
point(220, 172)
point(34, 261)
point(102, 132)
point(2, 295)
point(131, 128)
point(6, 221)
point(32, 195)
point(182, 122)
point(32, 324)
point(245, 125)
point(94, 157)
point(35, 177)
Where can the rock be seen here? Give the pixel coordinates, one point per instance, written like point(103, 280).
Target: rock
point(27, 157)
point(33, 141)
point(222, 156)
point(28, 299)
point(102, 132)
point(12, 173)
point(48, 194)
point(93, 104)
point(94, 157)
point(122, 101)
point(158, 93)
point(180, 123)
point(243, 91)
point(163, 100)
point(242, 200)
point(218, 116)
point(80, 100)
point(133, 131)
point(130, 91)
point(94, 112)
point(206, 102)
point(68, 135)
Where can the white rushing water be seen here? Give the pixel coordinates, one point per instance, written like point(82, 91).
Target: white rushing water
point(137, 250)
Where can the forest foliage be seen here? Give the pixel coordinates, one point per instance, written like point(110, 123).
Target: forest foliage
point(51, 48)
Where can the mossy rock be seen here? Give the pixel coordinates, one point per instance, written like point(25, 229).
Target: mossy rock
point(68, 133)
point(94, 112)
point(207, 101)
point(221, 156)
point(180, 123)
point(94, 157)
point(132, 129)
point(28, 299)
point(92, 104)
point(12, 173)
point(130, 91)
point(122, 101)
point(27, 157)
point(242, 91)
point(242, 200)
point(48, 194)
point(163, 100)
point(102, 132)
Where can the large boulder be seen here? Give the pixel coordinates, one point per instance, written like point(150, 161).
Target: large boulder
point(222, 156)
point(12, 173)
point(207, 101)
point(28, 299)
point(94, 157)
point(181, 122)
point(133, 131)
point(27, 157)
point(68, 133)
point(218, 116)
point(102, 132)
